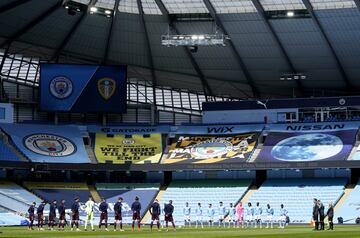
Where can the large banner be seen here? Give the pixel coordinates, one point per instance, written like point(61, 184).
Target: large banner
point(48, 143)
point(212, 149)
point(307, 147)
point(82, 88)
point(135, 148)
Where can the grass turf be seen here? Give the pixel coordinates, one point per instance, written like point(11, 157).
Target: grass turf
point(289, 232)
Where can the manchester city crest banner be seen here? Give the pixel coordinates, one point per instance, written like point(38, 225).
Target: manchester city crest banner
point(48, 143)
point(135, 148)
point(212, 149)
point(82, 88)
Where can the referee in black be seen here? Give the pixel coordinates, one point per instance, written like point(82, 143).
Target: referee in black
point(322, 215)
point(330, 215)
point(316, 214)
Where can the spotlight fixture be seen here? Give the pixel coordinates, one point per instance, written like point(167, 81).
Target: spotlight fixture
point(73, 7)
point(194, 40)
point(93, 10)
point(292, 76)
point(101, 11)
point(290, 14)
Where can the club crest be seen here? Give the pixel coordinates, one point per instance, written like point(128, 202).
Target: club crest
point(49, 145)
point(61, 87)
point(106, 87)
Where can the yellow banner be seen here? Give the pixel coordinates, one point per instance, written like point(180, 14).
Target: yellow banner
point(136, 149)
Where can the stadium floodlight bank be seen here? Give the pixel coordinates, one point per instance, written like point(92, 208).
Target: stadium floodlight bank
point(194, 40)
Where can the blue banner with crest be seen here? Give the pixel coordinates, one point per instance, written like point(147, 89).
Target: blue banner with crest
point(48, 143)
point(82, 88)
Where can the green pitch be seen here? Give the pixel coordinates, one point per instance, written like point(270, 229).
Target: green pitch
point(289, 232)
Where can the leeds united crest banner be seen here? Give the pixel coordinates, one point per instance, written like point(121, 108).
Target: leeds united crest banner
point(82, 88)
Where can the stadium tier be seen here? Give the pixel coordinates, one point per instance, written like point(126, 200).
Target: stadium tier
point(10, 219)
point(57, 191)
point(350, 209)
point(297, 195)
point(205, 192)
point(6, 154)
point(15, 198)
point(111, 192)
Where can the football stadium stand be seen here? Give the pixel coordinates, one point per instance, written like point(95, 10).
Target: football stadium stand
point(15, 198)
point(57, 191)
point(128, 191)
point(297, 195)
point(10, 219)
point(350, 209)
point(205, 192)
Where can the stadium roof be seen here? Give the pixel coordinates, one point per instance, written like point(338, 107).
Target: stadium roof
point(321, 41)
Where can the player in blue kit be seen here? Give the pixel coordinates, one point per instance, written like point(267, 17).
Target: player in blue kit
point(222, 213)
point(231, 215)
point(211, 214)
point(258, 213)
point(199, 216)
point(187, 212)
point(249, 215)
point(282, 219)
point(269, 216)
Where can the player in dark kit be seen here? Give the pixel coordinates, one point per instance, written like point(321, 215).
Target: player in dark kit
point(315, 214)
point(330, 215)
point(168, 210)
point(40, 215)
point(75, 215)
point(118, 214)
point(31, 212)
point(103, 207)
point(136, 208)
point(61, 210)
point(52, 215)
point(155, 214)
point(321, 214)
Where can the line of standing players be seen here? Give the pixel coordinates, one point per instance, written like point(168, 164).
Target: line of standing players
point(319, 215)
point(235, 215)
point(89, 218)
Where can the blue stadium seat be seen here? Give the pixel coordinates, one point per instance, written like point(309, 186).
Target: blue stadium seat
point(204, 192)
point(297, 195)
point(350, 209)
point(16, 198)
point(10, 219)
point(146, 193)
